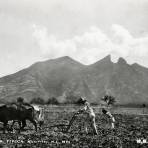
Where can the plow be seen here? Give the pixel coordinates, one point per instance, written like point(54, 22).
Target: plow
point(65, 127)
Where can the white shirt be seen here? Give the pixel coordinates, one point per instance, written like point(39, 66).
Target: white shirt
point(89, 110)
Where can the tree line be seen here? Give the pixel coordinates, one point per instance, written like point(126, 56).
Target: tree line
point(56, 101)
point(109, 100)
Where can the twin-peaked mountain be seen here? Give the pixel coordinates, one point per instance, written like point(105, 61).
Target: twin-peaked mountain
point(64, 76)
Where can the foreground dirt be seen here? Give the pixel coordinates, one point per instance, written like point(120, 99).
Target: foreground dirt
point(129, 128)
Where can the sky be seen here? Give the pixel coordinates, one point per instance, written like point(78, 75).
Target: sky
point(86, 30)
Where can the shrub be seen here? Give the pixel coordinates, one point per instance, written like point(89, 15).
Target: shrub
point(110, 100)
point(52, 100)
point(37, 100)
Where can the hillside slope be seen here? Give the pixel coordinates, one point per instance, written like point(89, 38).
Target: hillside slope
point(64, 76)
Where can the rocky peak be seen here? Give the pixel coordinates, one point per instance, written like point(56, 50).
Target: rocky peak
point(121, 61)
point(106, 59)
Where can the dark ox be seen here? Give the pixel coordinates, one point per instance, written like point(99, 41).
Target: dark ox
point(38, 116)
point(11, 112)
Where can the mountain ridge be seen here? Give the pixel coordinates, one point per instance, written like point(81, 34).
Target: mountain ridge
point(65, 76)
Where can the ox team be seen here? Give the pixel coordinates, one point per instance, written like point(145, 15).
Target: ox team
point(22, 111)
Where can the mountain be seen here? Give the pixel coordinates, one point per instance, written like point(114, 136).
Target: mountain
point(64, 76)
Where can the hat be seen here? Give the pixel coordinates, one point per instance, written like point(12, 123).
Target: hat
point(83, 100)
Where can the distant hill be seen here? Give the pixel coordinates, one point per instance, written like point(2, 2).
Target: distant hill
point(64, 76)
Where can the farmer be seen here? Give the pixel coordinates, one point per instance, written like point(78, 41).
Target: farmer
point(104, 111)
point(90, 116)
point(21, 104)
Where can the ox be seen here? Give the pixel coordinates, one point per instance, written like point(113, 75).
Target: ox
point(11, 112)
point(38, 116)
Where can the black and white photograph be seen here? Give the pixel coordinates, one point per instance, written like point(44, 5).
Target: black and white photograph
point(73, 73)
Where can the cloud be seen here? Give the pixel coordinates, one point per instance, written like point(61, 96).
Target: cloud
point(131, 48)
point(66, 28)
point(15, 43)
point(93, 45)
point(85, 48)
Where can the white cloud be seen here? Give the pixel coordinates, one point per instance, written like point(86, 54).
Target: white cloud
point(94, 45)
point(121, 35)
point(85, 48)
point(131, 48)
point(64, 30)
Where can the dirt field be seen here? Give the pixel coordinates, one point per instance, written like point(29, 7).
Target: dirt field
point(129, 129)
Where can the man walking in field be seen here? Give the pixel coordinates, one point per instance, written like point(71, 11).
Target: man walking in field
point(89, 116)
point(104, 111)
point(21, 104)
